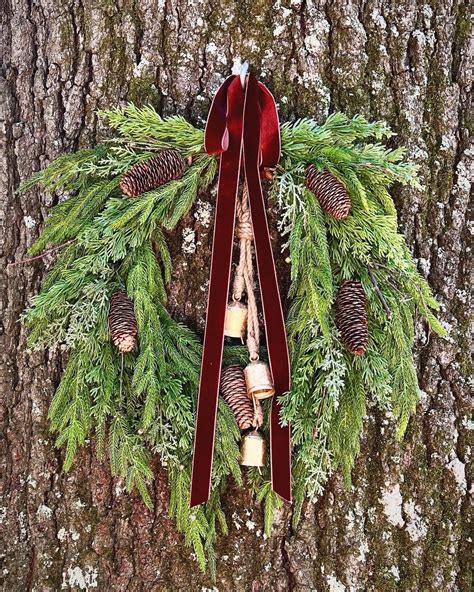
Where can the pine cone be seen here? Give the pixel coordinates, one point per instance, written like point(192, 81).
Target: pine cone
point(234, 393)
point(153, 172)
point(330, 192)
point(351, 317)
point(122, 322)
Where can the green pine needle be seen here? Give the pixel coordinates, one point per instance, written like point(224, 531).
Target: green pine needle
point(144, 403)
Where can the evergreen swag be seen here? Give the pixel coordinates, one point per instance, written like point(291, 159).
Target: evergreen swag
point(142, 402)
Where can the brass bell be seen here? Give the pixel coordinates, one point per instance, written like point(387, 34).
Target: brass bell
point(235, 320)
point(259, 380)
point(252, 449)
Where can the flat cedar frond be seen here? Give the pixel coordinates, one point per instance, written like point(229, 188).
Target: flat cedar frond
point(145, 126)
point(69, 218)
point(143, 402)
point(64, 172)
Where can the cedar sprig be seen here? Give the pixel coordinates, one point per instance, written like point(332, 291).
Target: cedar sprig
point(143, 403)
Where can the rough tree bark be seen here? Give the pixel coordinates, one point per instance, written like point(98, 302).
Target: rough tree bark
point(403, 525)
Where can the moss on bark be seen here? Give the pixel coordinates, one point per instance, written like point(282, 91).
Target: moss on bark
point(403, 526)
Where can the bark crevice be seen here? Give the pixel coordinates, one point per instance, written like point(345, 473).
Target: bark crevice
point(404, 524)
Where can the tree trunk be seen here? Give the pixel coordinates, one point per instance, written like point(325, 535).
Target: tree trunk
point(403, 525)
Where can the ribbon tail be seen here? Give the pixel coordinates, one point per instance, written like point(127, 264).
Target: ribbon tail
point(271, 303)
point(280, 453)
point(229, 171)
point(241, 125)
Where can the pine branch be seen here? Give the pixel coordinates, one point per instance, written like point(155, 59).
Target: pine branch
point(144, 402)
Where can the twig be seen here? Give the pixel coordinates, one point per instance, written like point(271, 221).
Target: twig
point(373, 279)
point(389, 277)
point(121, 376)
point(41, 255)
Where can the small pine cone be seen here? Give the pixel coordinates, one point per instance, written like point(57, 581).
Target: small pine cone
point(234, 393)
point(153, 172)
point(351, 317)
point(330, 192)
point(122, 322)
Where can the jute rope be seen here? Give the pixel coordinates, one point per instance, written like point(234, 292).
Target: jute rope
point(244, 274)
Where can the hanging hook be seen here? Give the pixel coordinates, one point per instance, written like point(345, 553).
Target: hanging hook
point(244, 68)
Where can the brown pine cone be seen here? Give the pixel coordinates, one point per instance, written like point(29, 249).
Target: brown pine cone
point(351, 317)
point(122, 322)
point(153, 172)
point(329, 191)
point(234, 393)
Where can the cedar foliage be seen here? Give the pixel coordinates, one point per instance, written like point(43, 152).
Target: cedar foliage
point(144, 402)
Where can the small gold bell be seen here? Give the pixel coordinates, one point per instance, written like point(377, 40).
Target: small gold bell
point(252, 449)
point(235, 320)
point(259, 381)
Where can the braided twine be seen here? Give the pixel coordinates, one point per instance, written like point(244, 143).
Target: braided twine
point(244, 274)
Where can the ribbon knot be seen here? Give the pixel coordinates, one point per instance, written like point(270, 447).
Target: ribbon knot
point(243, 127)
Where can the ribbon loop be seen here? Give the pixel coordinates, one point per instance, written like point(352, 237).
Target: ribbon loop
point(242, 124)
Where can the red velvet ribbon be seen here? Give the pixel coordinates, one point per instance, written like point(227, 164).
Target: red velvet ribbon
point(243, 128)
